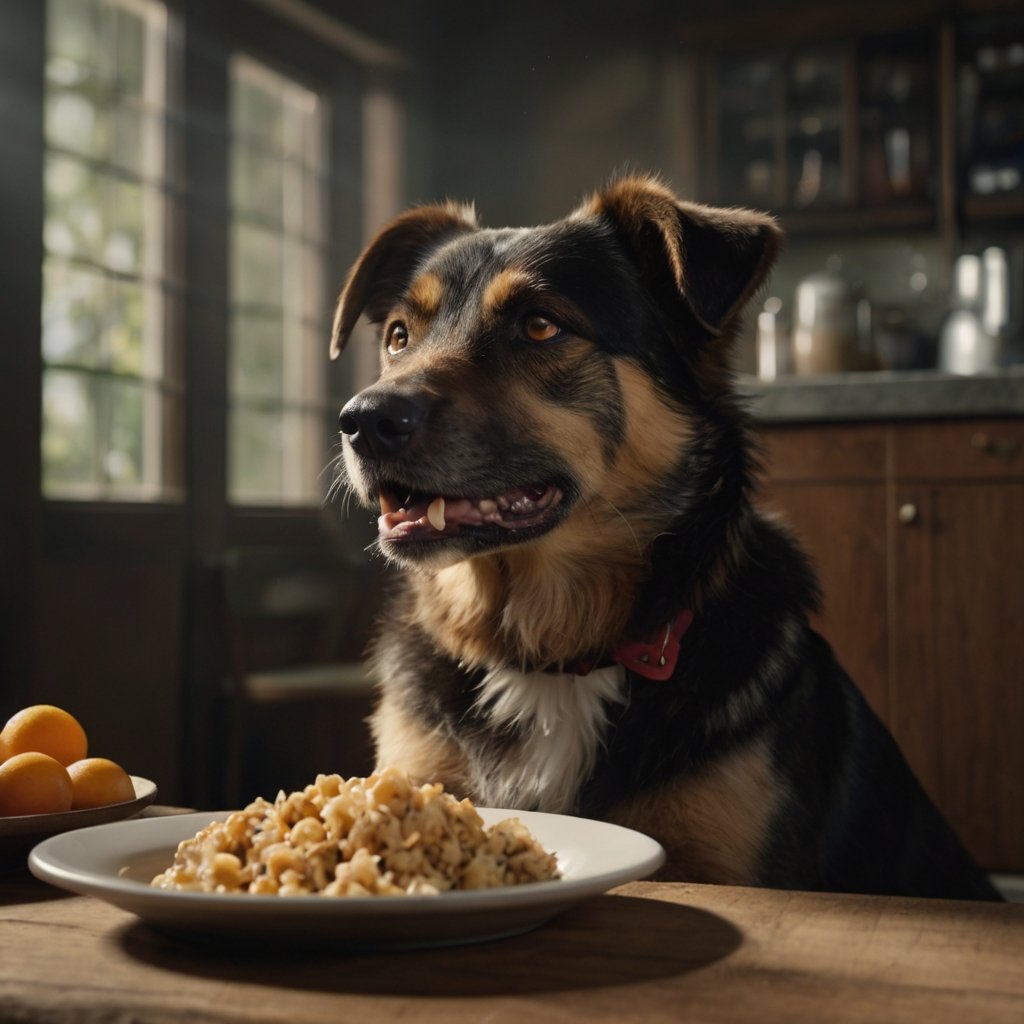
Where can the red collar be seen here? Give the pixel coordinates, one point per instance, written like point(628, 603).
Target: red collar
point(654, 657)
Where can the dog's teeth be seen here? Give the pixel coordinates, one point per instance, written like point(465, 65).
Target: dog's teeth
point(386, 504)
point(435, 513)
point(487, 507)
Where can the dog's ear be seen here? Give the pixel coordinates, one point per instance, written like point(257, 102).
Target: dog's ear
point(389, 263)
point(714, 259)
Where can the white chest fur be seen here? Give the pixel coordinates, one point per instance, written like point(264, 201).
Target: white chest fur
point(561, 720)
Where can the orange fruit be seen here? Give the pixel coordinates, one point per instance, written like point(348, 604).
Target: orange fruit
point(97, 781)
point(47, 730)
point(33, 783)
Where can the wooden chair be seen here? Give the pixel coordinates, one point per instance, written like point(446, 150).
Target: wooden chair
point(295, 687)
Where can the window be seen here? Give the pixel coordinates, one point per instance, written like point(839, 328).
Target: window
point(267, 180)
point(279, 422)
point(112, 397)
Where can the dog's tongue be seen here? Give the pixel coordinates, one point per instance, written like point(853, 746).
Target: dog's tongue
point(396, 522)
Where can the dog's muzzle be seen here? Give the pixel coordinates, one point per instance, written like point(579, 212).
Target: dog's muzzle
point(381, 423)
point(437, 495)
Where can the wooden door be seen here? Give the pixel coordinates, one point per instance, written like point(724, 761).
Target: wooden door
point(957, 684)
point(828, 484)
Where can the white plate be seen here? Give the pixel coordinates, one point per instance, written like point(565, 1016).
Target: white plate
point(20, 833)
point(116, 862)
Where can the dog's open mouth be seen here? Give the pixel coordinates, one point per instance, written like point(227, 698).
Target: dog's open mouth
point(421, 516)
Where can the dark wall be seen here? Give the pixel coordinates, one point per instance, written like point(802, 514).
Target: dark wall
point(533, 105)
point(524, 108)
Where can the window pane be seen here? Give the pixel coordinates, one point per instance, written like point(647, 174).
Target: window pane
point(99, 433)
point(257, 451)
point(74, 302)
point(126, 148)
point(257, 269)
point(105, 408)
point(312, 383)
point(102, 218)
point(258, 366)
point(123, 338)
point(68, 430)
point(75, 121)
point(257, 104)
point(124, 228)
point(278, 360)
point(314, 223)
point(128, 51)
point(75, 31)
point(258, 185)
point(74, 204)
point(124, 404)
point(310, 291)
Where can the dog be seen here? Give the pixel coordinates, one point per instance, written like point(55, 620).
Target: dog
point(593, 617)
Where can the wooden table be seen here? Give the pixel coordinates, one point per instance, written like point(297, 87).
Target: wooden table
point(647, 952)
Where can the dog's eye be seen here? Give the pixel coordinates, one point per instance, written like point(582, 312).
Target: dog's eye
point(540, 328)
point(397, 337)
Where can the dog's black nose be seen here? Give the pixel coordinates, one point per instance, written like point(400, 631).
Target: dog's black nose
point(380, 423)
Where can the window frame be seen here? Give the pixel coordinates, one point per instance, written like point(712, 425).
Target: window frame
point(364, 84)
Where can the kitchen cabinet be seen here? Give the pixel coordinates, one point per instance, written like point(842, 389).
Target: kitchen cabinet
point(818, 129)
point(990, 101)
point(904, 116)
point(830, 486)
point(916, 530)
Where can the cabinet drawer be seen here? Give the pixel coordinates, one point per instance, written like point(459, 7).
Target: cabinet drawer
point(969, 450)
point(824, 453)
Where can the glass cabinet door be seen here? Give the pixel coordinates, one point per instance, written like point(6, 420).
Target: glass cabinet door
point(990, 85)
point(779, 122)
point(815, 145)
point(836, 126)
point(748, 92)
point(896, 118)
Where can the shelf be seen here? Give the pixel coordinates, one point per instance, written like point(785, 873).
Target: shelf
point(849, 218)
point(1004, 204)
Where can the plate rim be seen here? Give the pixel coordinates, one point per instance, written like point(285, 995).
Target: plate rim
point(124, 891)
point(25, 825)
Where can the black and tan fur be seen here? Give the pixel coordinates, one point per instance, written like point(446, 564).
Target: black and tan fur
point(611, 419)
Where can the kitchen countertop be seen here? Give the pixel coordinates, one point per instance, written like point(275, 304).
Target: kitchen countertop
point(647, 952)
point(919, 394)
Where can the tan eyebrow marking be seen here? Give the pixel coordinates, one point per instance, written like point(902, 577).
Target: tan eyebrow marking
point(425, 295)
point(504, 287)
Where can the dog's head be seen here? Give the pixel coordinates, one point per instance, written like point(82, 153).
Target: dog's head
point(533, 378)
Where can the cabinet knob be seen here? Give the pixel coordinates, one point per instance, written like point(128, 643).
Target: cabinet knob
point(907, 513)
point(1002, 447)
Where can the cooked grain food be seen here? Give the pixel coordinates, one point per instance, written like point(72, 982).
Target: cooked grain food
point(380, 835)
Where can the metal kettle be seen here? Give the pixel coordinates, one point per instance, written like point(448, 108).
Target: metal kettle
point(832, 330)
point(973, 334)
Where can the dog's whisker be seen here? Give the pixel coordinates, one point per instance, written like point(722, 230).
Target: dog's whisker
point(625, 519)
point(340, 484)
